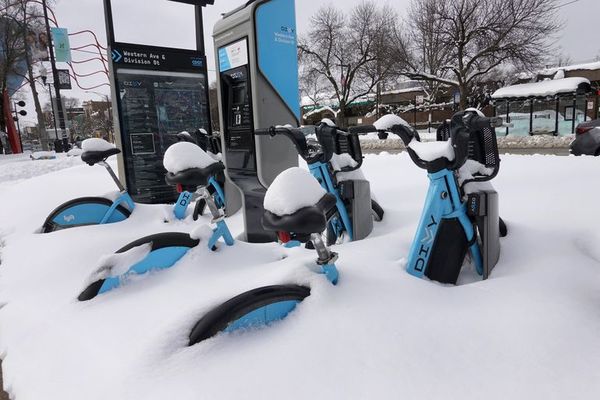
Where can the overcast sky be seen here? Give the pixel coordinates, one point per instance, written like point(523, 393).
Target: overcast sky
point(165, 23)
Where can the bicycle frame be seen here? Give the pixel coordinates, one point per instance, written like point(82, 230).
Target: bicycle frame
point(322, 173)
point(124, 197)
point(443, 201)
point(185, 198)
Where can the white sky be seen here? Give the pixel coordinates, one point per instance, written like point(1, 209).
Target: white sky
point(165, 23)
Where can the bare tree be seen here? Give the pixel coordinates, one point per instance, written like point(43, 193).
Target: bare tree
point(12, 51)
point(462, 42)
point(350, 53)
point(19, 19)
point(312, 85)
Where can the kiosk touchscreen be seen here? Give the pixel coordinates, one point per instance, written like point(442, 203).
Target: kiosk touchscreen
point(257, 84)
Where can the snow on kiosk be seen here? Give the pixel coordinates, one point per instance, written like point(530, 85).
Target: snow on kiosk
point(546, 107)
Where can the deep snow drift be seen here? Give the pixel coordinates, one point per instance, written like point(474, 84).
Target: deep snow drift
point(529, 332)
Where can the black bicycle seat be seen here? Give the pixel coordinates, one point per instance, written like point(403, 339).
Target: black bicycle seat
point(94, 156)
point(307, 220)
point(194, 177)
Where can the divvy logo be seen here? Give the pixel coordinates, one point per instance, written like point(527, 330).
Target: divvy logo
point(287, 29)
point(69, 218)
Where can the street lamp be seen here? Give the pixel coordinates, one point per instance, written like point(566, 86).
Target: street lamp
point(22, 113)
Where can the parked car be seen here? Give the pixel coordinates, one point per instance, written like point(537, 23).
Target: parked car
point(587, 139)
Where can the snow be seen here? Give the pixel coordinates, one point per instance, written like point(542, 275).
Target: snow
point(320, 110)
point(560, 74)
point(389, 120)
point(74, 152)
point(117, 264)
point(293, 189)
point(476, 111)
point(574, 67)
point(185, 155)
point(429, 151)
point(540, 89)
point(96, 144)
point(339, 161)
point(528, 332)
point(468, 170)
point(328, 122)
point(187, 136)
point(43, 155)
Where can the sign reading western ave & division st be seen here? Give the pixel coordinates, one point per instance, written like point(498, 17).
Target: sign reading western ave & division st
point(125, 55)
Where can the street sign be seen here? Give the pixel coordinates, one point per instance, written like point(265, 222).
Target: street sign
point(64, 79)
point(419, 99)
point(125, 55)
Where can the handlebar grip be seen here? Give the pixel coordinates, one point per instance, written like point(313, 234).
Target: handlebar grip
point(406, 133)
point(265, 131)
point(362, 129)
point(478, 122)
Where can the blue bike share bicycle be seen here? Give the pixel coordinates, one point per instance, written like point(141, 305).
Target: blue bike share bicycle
point(256, 307)
point(334, 159)
point(100, 210)
point(461, 208)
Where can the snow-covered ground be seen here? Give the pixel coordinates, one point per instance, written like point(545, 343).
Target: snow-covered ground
point(509, 142)
point(529, 332)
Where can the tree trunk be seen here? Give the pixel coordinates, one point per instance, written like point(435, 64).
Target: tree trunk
point(464, 93)
point(341, 116)
point(41, 128)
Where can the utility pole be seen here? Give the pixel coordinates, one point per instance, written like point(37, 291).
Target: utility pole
point(59, 106)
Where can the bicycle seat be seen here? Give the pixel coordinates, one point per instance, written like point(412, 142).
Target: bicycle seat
point(307, 220)
point(94, 156)
point(194, 177)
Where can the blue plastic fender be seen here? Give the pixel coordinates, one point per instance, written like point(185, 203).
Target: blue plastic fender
point(155, 260)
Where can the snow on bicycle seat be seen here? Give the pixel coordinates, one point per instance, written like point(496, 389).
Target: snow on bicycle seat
point(188, 165)
point(431, 151)
point(296, 202)
point(96, 150)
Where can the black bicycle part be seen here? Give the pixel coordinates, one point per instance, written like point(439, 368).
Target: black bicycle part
point(448, 252)
point(503, 228)
point(95, 156)
point(220, 317)
point(377, 210)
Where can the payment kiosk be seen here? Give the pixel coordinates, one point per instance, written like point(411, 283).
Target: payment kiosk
point(257, 82)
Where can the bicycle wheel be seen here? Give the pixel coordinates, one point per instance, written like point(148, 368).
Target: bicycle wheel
point(81, 212)
point(167, 249)
point(257, 307)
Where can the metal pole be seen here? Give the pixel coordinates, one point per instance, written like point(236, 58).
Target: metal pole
point(199, 30)
point(59, 108)
point(574, 110)
point(201, 49)
point(18, 126)
point(52, 111)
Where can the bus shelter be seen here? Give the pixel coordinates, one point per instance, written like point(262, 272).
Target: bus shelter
point(552, 107)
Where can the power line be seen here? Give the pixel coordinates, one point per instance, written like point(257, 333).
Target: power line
point(565, 4)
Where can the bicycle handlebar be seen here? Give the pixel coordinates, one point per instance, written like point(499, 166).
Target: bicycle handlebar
point(295, 135)
point(477, 122)
point(362, 129)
